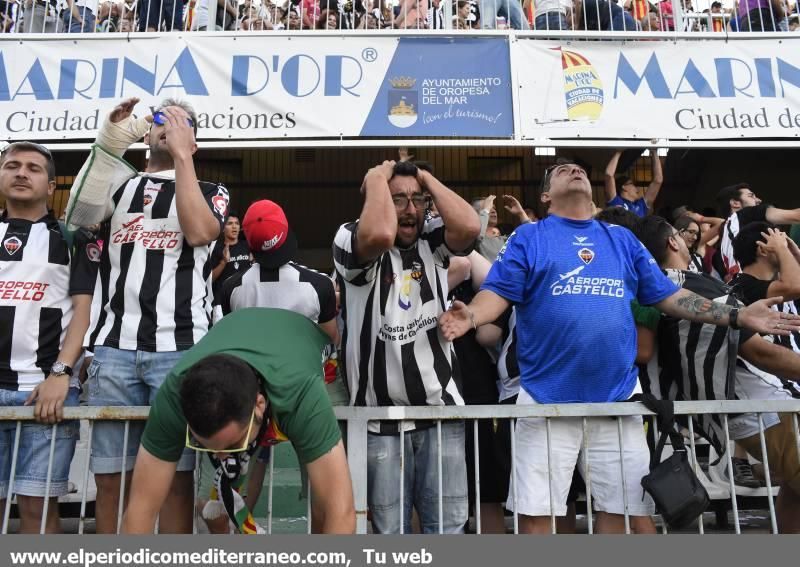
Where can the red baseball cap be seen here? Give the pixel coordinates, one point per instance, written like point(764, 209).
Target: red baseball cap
point(268, 235)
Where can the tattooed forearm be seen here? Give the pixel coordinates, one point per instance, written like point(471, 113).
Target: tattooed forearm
point(698, 308)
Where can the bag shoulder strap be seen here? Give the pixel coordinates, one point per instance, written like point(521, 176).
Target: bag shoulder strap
point(665, 412)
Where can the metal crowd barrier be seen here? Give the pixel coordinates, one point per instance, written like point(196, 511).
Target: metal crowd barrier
point(129, 16)
point(358, 419)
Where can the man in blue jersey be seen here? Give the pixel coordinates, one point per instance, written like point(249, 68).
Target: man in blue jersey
point(571, 280)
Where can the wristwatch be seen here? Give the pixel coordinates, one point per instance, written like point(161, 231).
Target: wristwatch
point(733, 319)
point(60, 369)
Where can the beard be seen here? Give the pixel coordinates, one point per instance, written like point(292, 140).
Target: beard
point(408, 231)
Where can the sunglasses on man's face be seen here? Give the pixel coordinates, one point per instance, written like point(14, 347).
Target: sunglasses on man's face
point(195, 445)
point(160, 118)
point(557, 168)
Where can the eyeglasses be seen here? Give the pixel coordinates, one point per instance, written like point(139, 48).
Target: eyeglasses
point(420, 201)
point(195, 445)
point(558, 168)
point(160, 118)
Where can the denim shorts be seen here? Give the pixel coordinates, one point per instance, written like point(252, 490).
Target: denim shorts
point(30, 475)
point(125, 378)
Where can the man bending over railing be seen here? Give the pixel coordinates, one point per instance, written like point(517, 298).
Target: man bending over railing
point(254, 379)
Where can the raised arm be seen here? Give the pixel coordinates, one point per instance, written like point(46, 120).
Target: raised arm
point(513, 206)
point(152, 479)
point(332, 491)
point(783, 216)
point(758, 316)
point(652, 190)
point(788, 283)
point(460, 219)
point(608, 179)
point(377, 225)
point(713, 228)
point(198, 223)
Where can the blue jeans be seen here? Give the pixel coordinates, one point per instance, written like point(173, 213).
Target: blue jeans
point(550, 21)
point(30, 475)
point(72, 25)
point(125, 378)
point(420, 480)
point(510, 9)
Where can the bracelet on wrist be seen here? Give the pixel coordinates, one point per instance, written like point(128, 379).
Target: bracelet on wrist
point(472, 318)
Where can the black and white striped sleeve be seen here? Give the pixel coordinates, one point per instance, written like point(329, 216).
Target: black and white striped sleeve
point(345, 258)
point(434, 233)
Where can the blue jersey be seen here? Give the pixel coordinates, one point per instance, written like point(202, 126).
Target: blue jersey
point(637, 207)
point(572, 283)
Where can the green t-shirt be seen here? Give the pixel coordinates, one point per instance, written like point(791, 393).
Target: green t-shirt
point(286, 349)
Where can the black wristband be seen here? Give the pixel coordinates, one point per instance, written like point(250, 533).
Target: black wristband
point(733, 319)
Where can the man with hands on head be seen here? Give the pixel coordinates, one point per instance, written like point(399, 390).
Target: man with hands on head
point(151, 293)
point(563, 274)
point(391, 269)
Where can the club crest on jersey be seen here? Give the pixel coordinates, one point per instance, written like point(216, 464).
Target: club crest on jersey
point(12, 245)
point(416, 271)
point(93, 252)
point(149, 187)
point(586, 255)
point(220, 201)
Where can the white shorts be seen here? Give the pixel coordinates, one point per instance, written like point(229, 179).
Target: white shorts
point(566, 436)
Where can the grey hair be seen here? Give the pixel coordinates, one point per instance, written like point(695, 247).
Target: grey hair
point(181, 104)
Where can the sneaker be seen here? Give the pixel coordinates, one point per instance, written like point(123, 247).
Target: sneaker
point(743, 474)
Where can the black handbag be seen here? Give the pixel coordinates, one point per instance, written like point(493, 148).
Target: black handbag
point(679, 495)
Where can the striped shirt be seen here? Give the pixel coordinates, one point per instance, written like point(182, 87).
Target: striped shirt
point(693, 362)
point(750, 289)
point(36, 282)
point(507, 365)
point(731, 228)
point(394, 352)
point(152, 293)
point(292, 287)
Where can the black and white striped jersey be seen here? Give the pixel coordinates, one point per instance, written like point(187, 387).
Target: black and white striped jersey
point(292, 287)
point(38, 274)
point(692, 361)
point(733, 224)
point(507, 365)
point(153, 289)
point(394, 352)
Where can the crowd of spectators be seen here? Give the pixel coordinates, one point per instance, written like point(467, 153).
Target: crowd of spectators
point(264, 368)
point(105, 16)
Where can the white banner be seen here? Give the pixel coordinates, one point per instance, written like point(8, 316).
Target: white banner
point(256, 86)
point(653, 89)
